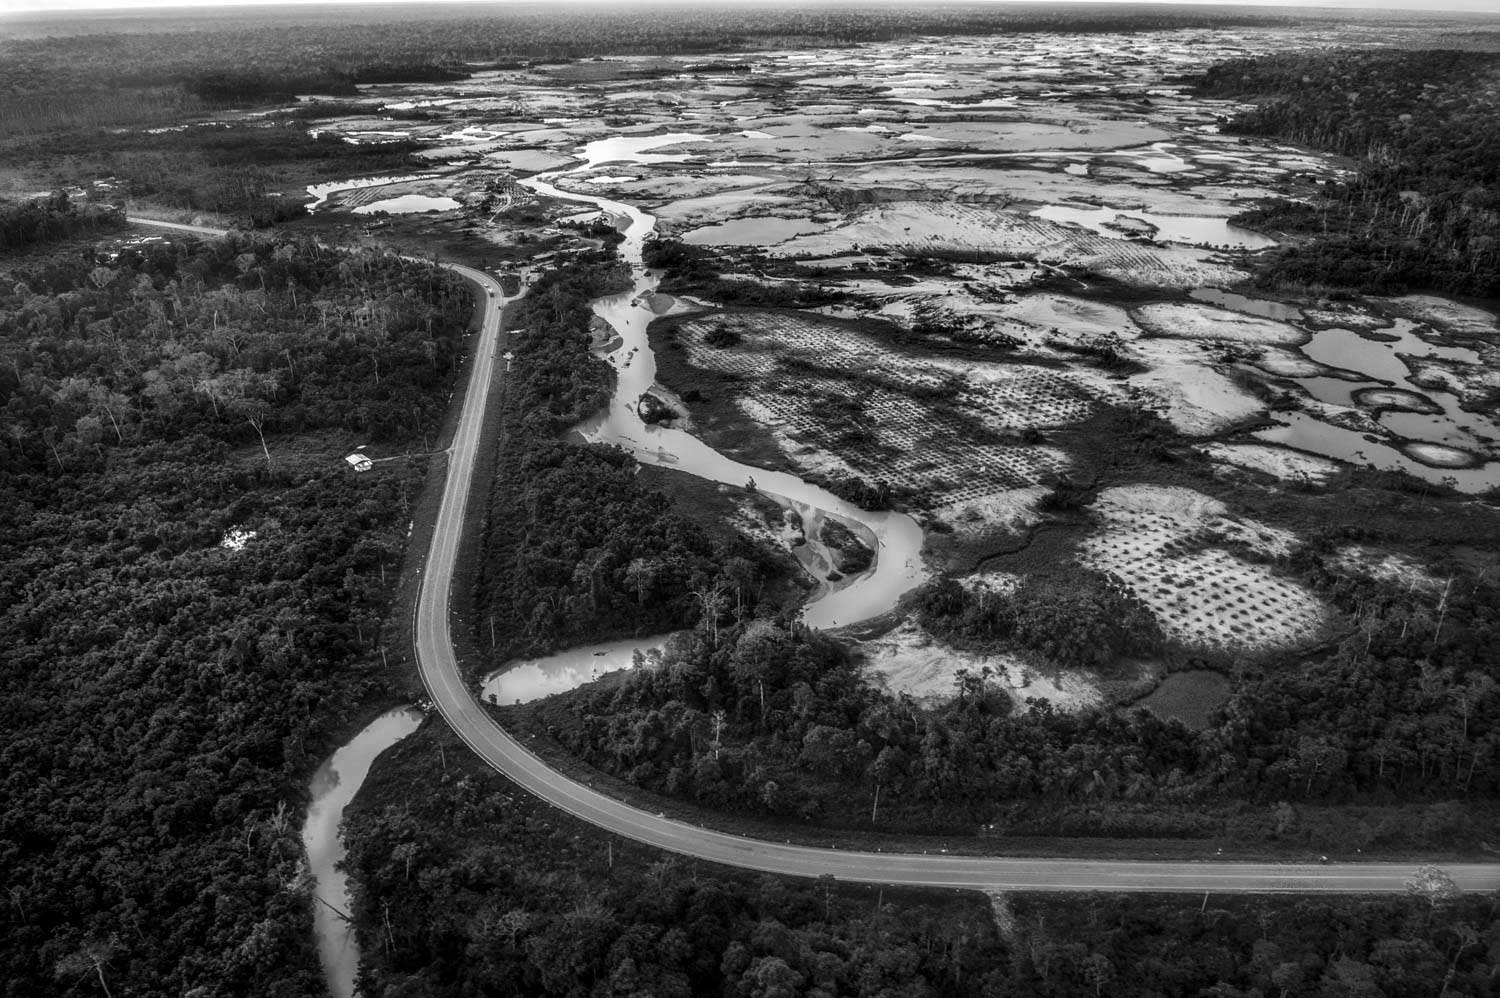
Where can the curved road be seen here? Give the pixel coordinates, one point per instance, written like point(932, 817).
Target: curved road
point(444, 681)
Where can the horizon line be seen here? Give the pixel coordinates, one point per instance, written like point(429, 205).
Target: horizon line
point(51, 7)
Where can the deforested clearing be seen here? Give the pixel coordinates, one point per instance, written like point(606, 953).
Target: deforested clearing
point(1450, 316)
point(1195, 398)
point(1200, 322)
point(937, 228)
point(909, 660)
point(1385, 566)
point(947, 435)
point(1280, 462)
point(1174, 549)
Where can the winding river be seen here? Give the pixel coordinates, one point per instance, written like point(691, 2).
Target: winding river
point(897, 567)
point(333, 787)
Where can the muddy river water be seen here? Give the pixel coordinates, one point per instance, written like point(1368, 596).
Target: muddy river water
point(898, 538)
point(333, 787)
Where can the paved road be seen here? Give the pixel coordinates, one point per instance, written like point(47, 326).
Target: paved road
point(443, 678)
point(201, 230)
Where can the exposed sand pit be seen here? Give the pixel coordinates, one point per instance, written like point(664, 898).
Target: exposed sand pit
point(1199, 322)
point(1195, 398)
point(1195, 230)
point(1168, 546)
point(1322, 318)
point(1385, 566)
point(936, 228)
point(1439, 456)
point(1396, 399)
point(1287, 465)
point(1449, 316)
point(755, 231)
point(1009, 509)
point(909, 660)
point(407, 204)
point(1284, 363)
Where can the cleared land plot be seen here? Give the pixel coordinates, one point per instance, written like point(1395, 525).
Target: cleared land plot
point(1201, 322)
point(1385, 566)
point(929, 228)
point(1190, 697)
point(911, 661)
point(1172, 548)
point(1287, 465)
point(950, 436)
point(1449, 316)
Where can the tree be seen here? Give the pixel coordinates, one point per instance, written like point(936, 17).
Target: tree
point(93, 956)
point(1433, 886)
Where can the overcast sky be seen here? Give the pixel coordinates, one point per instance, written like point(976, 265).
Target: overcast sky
point(1486, 6)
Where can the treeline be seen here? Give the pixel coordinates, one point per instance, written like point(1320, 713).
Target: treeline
point(244, 337)
point(1398, 729)
point(574, 548)
point(218, 88)
point(192, 591)
point(474, 887)
point(1423, 211)
point(236, 170)
point(46, 220)
point(784, 722)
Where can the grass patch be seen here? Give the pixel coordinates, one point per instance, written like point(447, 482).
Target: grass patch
point(1191, 697)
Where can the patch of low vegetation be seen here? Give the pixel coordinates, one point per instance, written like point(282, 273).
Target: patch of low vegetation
point(850, 554)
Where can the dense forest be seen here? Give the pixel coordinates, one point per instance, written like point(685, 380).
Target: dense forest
point(574, 548)
point(1388, 740)
point(1423, 209)
point(48, 220)
point(192, 589)
point(235, 170)
point(474, 888)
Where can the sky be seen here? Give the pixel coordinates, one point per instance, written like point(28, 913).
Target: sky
point(1483, 6)
point(17, 6)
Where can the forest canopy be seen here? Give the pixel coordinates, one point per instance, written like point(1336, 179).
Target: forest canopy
point(192, 589)
point(1423, 209)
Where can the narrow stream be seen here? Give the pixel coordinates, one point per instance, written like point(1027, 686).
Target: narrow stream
point(333, 787)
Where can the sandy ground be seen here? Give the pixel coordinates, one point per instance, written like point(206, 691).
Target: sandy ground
point(1010, 509)
point(1195, 398)
point(1174, 549)
point(932, 227)
point(911, 661)
point(1287, 465)
point(1386, 566)
point(1201, 322)
point(1452, 317)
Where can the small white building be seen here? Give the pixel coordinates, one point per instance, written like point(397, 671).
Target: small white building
point(359, 462)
